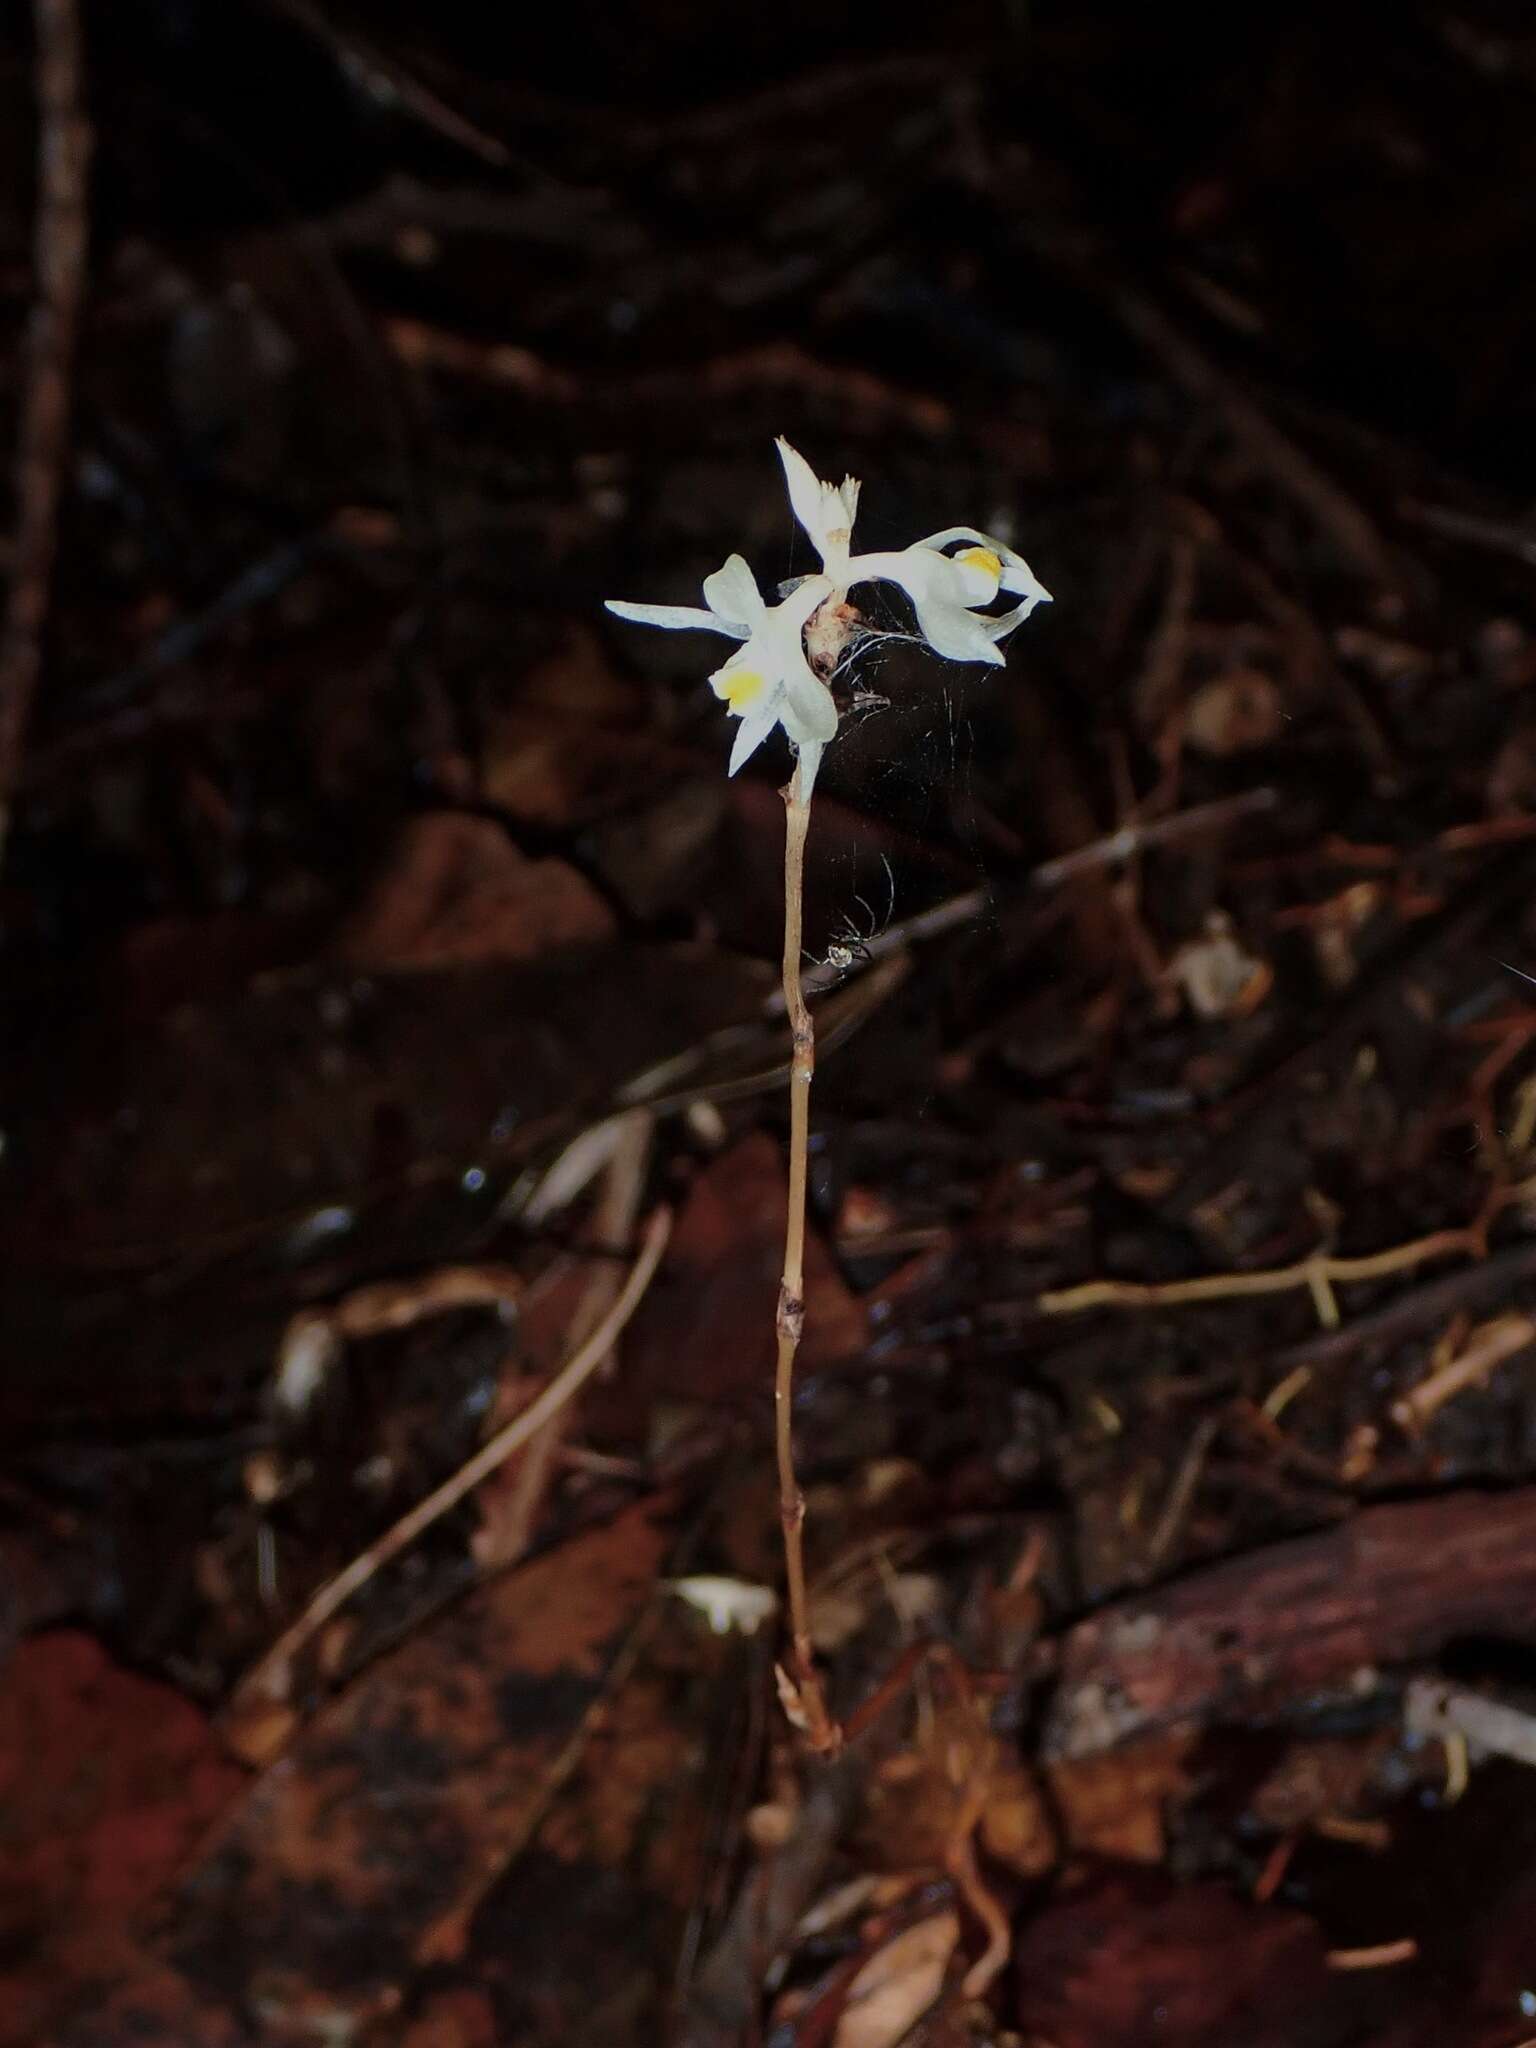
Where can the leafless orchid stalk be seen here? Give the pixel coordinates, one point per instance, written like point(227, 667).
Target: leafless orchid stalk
point(770, 680)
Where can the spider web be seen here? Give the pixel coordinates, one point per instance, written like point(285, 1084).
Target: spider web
point(904, 758)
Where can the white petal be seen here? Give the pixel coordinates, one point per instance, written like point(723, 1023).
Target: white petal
point(809, 754)
point(979, 583)
point(807, 710)
point(676, 616)
point(938, 589)
point(1021, 579)
point(1000, 627)
point(921, 572)
point(732, 593)
point(826, 511)
point(751, 733)
point(804, 492)
point(969, 534)
point(954, 632)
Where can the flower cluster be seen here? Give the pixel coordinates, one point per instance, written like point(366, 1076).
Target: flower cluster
point(950, 577)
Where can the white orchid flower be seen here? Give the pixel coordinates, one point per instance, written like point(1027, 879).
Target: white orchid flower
point(945, 589)
point(768, 681)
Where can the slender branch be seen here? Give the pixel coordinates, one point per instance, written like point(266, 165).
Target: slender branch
point(1114, 849)
point(508, 1528)
point(268, 1678)
point(1317, 1271)
point(1504, 1337)
point(63, 155)
point(800, 1687)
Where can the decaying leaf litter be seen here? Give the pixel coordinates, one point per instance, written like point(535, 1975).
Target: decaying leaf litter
point(391, 963)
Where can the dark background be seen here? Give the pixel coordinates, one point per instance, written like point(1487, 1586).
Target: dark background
point(354, 840)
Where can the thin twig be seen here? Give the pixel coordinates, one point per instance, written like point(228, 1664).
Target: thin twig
point(1180, 1494)
point(1318, 1269)
point(63, 157)
point(800, 1687)
point(269, 1677)
point(1385, 1955)
point(1112, 850)
point(387, 80)
point(1504, 1337)
point(508, 1528)
point(1501, 535)
point(1133, 839)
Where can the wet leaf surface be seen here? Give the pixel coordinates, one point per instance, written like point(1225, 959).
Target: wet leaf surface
point(361, 1855)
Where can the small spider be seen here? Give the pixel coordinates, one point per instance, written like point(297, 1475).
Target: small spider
point(851, 943)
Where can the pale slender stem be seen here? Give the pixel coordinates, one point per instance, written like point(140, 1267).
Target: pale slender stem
point(790, 1320)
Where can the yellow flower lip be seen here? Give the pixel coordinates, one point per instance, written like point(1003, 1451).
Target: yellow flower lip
point(739, 687)
point(982, 559)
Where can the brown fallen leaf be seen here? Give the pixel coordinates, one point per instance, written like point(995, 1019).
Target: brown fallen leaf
point(581, 1939)
point(460, 2018)
point(554, 770)
point(362, 1854)
point(456, 891)
point(1140, 1963)
point(107, 1780)
point(1116, 1805)
point(920, 1798)
point(1016, 1827)
point(707, 1335)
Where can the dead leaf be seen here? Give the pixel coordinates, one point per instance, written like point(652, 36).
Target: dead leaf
point(920, 1800)
point(1139, 1962)
point(708, 1334)
point(460, 2018)
point(1116, 1805)
point(458, 891)
point(1016, 1828)
point(579, 681)
point(107, 1780)
point(662, 855)
point(550, 769)
point(361, 1855)
point(580, 1939)
point(898, 1984)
